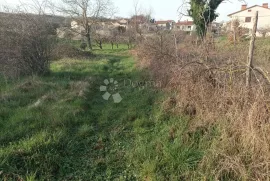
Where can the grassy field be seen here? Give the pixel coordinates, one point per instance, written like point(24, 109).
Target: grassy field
point(59, 127)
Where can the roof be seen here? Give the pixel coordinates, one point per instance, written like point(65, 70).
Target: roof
point(247, 9)
point(123, 21)
point(187, 23)
point(116, 24)
point(164, 22)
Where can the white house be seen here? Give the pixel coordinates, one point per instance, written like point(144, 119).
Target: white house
point(74, 24)
point(123, 23)
point(168, 24)
point(246, 16)
point(187, 26)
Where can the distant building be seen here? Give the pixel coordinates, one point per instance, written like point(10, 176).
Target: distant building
point(75, 32)
point(216, 27)
point(123, 22)
point(246, 17)
point(187, 26)
point(168, 24)
point(74, 24)
point(103, 27)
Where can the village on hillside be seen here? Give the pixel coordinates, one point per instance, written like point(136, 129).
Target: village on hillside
point(243, 18)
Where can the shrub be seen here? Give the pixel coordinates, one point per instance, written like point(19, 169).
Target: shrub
point(66, 50)
point(209, 86)
point(83, 46)
point(26, 44)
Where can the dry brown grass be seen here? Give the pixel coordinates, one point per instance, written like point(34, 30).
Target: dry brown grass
point(210, 82)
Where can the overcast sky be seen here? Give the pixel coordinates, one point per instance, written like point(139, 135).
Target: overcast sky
point(163, 9)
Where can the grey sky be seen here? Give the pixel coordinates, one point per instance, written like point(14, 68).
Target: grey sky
point(163, 9)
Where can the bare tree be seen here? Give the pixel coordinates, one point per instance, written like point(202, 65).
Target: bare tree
point(114, 37)
point(86, 13)
point(26, 41)
point(129, 37)
point(202, 12)
point(135, 18)
point(99, 39)
point(149, 13)
point(139, 23)
point(264, 31)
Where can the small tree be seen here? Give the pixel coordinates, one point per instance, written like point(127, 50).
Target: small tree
point(114, 33)
point(99, 38)
point(264, 31)
point(121, 29)
point(129, 37)
point(203, 12)
point(238, 32)
point(68, 34)
point(83, 45)
point(86, 13)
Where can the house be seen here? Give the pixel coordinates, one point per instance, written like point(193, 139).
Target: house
point(216, 27)
point(246, 17)
point(75, 31)
point(187, 26)
point(74, 24)
point(123, 22)
point(168, 24)
point(102, 27)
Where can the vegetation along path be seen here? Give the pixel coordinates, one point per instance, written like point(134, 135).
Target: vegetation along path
point(61, 127)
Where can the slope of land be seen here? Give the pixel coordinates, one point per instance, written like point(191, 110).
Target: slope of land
point(59, 127)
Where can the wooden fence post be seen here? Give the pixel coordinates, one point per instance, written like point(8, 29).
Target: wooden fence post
point(251, 51)
point(234, 36)
point(176, 47)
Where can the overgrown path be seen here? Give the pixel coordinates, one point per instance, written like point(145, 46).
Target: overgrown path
point(59, 127)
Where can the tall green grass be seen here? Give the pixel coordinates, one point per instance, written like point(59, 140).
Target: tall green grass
point(58, 127)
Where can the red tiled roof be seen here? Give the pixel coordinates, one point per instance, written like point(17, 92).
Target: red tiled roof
point(247, 9)
point(189, 23)
point(164, 22)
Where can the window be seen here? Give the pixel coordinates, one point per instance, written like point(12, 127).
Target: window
point(248, 19)
point(249, 10)
point(189, 27)
point(178, 27)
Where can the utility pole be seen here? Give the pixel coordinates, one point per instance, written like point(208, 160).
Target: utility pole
point(251, 51)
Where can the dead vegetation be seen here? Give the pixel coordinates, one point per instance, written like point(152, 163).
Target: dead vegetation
point(209, 84)
point(66, 50)
point(26, 44)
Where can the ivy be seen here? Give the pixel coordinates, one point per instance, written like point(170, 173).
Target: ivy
point(203, 13)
